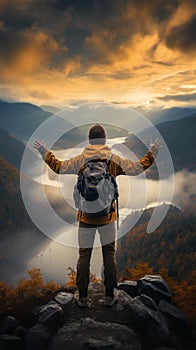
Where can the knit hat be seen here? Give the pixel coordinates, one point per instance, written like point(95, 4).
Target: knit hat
point(97, 134)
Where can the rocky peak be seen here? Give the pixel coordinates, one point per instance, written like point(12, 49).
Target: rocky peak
point(143, 319)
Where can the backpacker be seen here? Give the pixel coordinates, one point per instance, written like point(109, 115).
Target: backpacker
point(96, 189)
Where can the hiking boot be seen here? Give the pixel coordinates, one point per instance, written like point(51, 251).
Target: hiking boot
point(110, 301)
point(82, 302)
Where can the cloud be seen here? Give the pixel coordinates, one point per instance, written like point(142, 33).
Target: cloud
point(41, 94)
point(94, 50)
point(182, 37)
point(188, 97)
point(25, 52)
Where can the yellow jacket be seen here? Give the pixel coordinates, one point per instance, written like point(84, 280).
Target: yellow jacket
point(118, 166)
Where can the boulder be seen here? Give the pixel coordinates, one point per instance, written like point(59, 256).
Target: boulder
point(107, 343)
point(9, 324)
point(155, 287)
point(36, 311)
point(10, 342)
point(63, 298)
point(145, 318)
point(19, 331)
point(37, 337)
point(88, 334)
point(51, 314)
point(176, 319)
point(123, 301)
point(130, 287)
point(148, 302)
point(164, 348)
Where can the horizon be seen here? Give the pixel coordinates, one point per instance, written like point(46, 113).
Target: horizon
point(77, 104)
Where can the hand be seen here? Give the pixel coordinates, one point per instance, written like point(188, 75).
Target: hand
point(157, 145)
point(37, 145)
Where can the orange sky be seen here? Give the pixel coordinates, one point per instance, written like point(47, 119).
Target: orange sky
point(59, 52)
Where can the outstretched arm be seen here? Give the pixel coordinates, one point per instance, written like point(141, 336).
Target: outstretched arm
point(70, 166)
point(156, 146)
point(128, 167)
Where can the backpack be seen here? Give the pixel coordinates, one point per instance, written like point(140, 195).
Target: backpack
point(96, 189)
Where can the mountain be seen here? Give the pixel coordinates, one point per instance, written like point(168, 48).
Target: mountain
point(21, 119)
point(11, 148)
point(50, 109)
point(179, 135)
point(172, 245)
point(161, 115)
point(20, 238)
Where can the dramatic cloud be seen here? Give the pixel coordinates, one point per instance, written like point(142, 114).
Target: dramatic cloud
point(188, 97)
point(96, 50)
point(183, 37)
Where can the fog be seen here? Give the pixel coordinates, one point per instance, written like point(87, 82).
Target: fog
point(56, 258)
point(26, 250)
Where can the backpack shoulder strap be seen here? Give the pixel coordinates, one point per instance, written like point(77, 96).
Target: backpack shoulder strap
point(109, 160)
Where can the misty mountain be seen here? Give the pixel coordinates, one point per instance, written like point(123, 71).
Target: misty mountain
point(179, 136)
point(22, 119)
point(50, 109)
point(11, 148)
point(171, 245)
point(20, 238)
point(157, 116)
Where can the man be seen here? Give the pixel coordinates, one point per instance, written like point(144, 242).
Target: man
point(97, 149)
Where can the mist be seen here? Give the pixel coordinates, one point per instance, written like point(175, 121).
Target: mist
point(56, 258)
point(54, 254)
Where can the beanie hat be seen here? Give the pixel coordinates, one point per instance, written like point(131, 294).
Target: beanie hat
point(97, 131)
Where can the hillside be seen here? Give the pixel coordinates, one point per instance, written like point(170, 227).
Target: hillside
point(20, 239)
point(11, 148)
point(172, 245)
point(13, 214)
point(22, 119)
point(161, 115)
point(179, 136)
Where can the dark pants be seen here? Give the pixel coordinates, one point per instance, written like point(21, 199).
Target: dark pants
point(86, 236)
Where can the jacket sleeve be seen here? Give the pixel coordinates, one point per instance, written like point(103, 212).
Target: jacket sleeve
point(127, 167)
point(70, 166)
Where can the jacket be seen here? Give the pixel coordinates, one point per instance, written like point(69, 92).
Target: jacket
point(118, 166)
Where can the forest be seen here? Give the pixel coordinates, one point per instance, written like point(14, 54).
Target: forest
point(32, 291)
point(171, 246)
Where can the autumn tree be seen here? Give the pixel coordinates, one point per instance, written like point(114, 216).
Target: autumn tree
point(72, 278)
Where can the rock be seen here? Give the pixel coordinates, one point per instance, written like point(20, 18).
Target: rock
point(51, 314)
point(130, 287)
point(157, 332)
point(164, 348)
point(145, 318)
point(88, 334)
point(9, 324)
point(36, 311)
point(155, 287)
point(108, 343)
point(64, 298)
point(10, 342)
point(37, 337)
point(176, 319)
point(148, 302)
point(123, 301)
point(19, 331)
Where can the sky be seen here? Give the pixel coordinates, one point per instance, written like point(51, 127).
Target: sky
point(130, 52)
